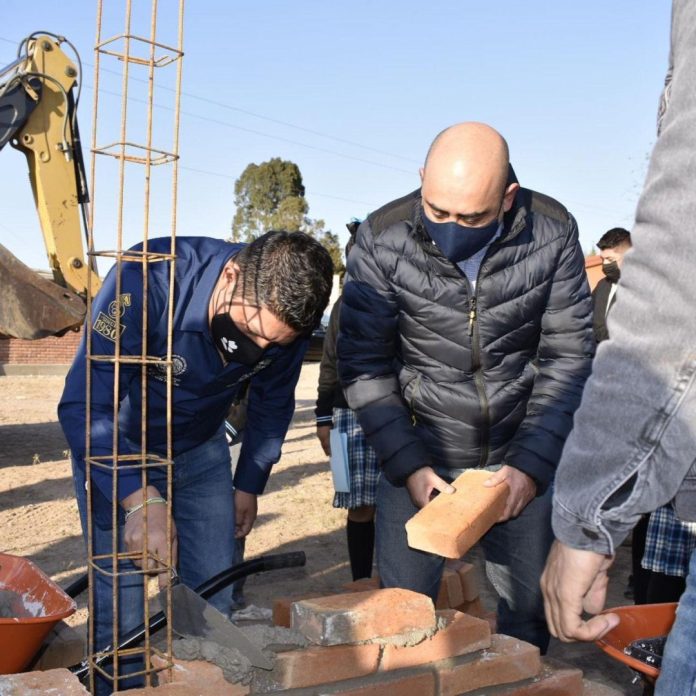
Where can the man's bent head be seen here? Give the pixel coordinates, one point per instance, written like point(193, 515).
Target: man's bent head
point(465, 174)
point(288, 273)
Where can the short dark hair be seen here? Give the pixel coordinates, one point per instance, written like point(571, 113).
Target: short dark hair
point(291, 274)
point(615, 237)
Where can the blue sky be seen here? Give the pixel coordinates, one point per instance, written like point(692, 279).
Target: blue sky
point(354, 93)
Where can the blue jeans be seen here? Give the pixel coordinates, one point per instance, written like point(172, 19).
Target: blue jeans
point(678, 673)
point(515, 554)
point(203, 510)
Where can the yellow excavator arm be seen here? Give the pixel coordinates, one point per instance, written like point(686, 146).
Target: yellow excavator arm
point(37, 117)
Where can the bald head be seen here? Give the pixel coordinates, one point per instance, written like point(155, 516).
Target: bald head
point(465, 173)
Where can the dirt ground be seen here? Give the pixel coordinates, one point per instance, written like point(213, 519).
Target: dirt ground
point(38, 514)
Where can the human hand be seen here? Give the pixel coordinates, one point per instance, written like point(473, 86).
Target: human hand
point(324, 435)
point(245, 511)
point(572, 582)
point(522, 490)
point(422, 483)
point(157, 542)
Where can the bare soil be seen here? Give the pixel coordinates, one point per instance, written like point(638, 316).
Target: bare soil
point(39, 520)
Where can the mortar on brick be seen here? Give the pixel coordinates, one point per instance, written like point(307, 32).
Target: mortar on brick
point(235, 667)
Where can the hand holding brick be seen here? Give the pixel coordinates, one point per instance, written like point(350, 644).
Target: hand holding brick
point(449, 525)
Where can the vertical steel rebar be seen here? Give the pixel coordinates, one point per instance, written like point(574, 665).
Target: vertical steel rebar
point(125, 152)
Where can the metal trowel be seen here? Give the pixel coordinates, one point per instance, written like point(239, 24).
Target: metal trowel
point(192, 616)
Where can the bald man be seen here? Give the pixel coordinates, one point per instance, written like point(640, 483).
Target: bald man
point(465, 341)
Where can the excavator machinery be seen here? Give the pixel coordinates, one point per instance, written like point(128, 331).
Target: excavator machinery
point(39, 94)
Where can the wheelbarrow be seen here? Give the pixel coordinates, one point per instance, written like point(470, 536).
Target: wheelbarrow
point(32, 604)
point(631, 641)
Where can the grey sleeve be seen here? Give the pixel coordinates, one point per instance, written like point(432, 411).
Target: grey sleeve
point(634, 436)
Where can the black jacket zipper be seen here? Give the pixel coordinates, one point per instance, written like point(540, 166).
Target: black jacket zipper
point(478, 375)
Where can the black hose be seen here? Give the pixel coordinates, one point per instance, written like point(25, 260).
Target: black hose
point(293, 559)
point(77, 587)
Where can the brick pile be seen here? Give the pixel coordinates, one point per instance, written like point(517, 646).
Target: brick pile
point(371, 642)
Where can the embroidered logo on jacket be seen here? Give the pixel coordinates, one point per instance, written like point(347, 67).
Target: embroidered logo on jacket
point(105, 325)
point(159, 370)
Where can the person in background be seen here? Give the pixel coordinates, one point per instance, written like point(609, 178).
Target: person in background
point(332, 411)
point(632, 446)
point(612, 246)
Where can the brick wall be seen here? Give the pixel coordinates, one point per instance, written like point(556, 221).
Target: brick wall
point(45, 351)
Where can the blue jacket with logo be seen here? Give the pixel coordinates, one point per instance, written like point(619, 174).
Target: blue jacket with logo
point(203, 386)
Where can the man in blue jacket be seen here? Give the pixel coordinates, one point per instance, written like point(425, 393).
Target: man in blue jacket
point(240, 314)
point(465, 340)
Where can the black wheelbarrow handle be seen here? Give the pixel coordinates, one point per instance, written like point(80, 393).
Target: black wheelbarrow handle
point(294, 559)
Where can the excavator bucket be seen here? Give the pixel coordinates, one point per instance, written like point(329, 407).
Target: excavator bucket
point(33, 307)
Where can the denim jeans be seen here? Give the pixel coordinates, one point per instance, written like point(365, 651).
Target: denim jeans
point(678, 673)
point(203, 510)
point(515, 554)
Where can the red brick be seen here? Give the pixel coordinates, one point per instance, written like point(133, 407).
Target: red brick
point(362, 585)
point(282, 608)
point(318, 665)
point(358, 616)
point(449, 525)
point(555, 679)
point(475, 608)
point(461, 634)
point(450, 593)
point(57, 681)
point(198, 676)
point(507, 660)
point(402, 683)
point(467, 578)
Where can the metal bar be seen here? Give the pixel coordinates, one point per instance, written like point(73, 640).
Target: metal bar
point(125, 151)
point(88, 369)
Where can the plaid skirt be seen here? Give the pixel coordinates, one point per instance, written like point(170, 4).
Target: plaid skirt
point(668, 543)
point(362, 463)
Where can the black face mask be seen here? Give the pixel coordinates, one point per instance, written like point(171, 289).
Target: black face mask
point(611, 271)
point(234, 345)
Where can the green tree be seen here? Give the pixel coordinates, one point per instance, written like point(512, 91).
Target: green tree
point(328, 240)
point(271, 196)
point(268, 196)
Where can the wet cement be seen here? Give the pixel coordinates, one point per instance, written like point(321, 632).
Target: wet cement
point(13, 605)
point(236, 667)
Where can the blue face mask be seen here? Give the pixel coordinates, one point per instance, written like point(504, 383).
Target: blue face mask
point(458, 242)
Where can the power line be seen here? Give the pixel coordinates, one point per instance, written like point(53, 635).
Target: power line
point(247, 112)
point(267, 135)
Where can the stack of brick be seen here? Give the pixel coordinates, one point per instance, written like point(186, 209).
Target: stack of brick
point(370, 643)
point(458, 590)
point(383, 642)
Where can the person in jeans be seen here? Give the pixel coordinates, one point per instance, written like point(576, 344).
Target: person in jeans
point(633, 442)
point(465, 339)
point(241, 314)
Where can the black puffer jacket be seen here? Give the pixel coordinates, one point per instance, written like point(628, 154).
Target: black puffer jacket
point(443, 378)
